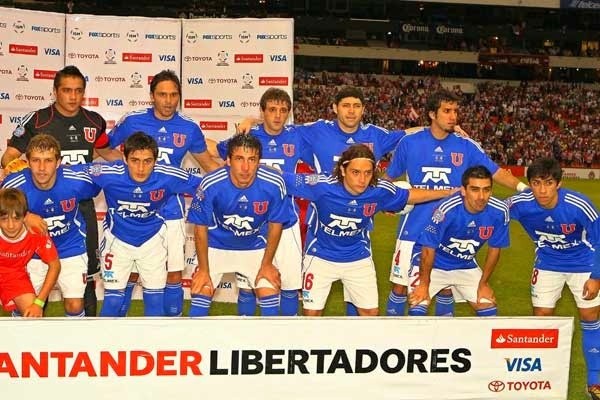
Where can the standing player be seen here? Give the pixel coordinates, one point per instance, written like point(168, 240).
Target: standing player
point(434, 158)
point(134, 230)
point(283, 149)
point(54, 193)
point(237, 214)
point(338, 245)
point(17, 246)
point(176, 135)
point(446, 248)
point(80, 133)
point(565, 228)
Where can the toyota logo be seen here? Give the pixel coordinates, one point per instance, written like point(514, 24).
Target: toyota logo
point(496, 386)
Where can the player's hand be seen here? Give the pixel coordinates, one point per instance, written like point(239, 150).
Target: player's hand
point(590, 289)
point(460, 131)
point(419, 295)
point(270, 273)
point(35, 224)
point(33, 311)
point(485, 294)
point(202, 284)
point(246, 125)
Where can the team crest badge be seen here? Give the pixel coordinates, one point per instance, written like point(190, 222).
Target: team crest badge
point(289, 149)
point(89, 134)
point(369, 209)
point(179, 139)
point(68, 205)
point(457, 159)
point(567, 228)
point(438, 216)
point(95, 169)
point(260, 207)
point(311, 179)
point(485, 232)
point(156, 195)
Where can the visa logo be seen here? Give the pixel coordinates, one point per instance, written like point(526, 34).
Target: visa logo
point(195, 81)
point(226, 103)
point(278, 57)
point(51, 52)
point(114, 102)
point(523, 364)
point(4, 96)
point(166, 57)
point(15, 120)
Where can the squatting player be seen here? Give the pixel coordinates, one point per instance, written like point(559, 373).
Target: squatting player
point(446, 248)
point(238, 215)
point(565, 228)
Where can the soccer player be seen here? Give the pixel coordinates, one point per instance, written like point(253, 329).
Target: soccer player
point(446, 248)
point(81, 133)
point(434, 158)
point(176, 135)
point(55, 192)
point(283, 149)
point(338, 246)
point(17, 246)
point(565, 228)
point(134, 230)
point(238, 214)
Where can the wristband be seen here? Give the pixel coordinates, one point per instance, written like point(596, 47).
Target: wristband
point(39, 302)
point(521, 187)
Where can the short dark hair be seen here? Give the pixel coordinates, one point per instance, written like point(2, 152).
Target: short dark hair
point(355, 151)
point(68, 71)
point(140, 141)
point(545, 168)
point(349, 91)
point(13, 202)
point(165, 75)
point(275, 94)
point(43, 142)
point(434, 101)
point(245, 141)
point(477, 172)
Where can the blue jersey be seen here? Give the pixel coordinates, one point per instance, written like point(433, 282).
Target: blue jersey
point(283, 151)
point(564, 235)
point(326, 141)
point(457, 235)
point(133, 214)
point(59, 206)
point(175, 137)
point(237, 218)
point(340, 224)
point(430, 163)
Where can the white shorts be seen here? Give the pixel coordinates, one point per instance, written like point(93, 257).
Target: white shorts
point(401, 262)
point(288, 259)
point(118, 260)
point(358, 278)
point(547, 286)
point(71, 279)
point(463, 282)
point(175, 244)
point(245, 263)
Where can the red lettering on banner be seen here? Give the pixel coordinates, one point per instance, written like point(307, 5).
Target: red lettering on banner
point(137, 57)
point(43, 74)
point(119, 366)
point(248, 58)
point(23, 49)
point(273, 81)
point(135, 366)
point(189, 360)
point(61, 358)
point(7, 366)
point(197, 103)
point(163, 362)
point(213, 125)
point(82, 364)
point(90, 101)
point(29, 362)
point(524, 338)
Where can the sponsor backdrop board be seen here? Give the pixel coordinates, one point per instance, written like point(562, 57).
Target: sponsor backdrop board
point(291, 358)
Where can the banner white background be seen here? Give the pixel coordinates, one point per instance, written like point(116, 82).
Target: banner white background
point(320, 358)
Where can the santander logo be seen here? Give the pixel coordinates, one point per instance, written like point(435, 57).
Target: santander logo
point(524, 338)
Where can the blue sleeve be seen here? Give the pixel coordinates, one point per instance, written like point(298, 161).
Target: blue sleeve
point(119, 133)
point(201, 209)
point(390, 140)
point(397, 165)
point(222, 148)
point(479, 157)
point(305, 134)
point(198, 140)
point(500, 238)
point(596, 266)
point(395, 198)
point(302, 185)
point(189, 185)
point(513, 208)
point(432, 234)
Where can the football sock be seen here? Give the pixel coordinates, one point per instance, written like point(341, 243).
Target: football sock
point(200, 305)
point(246, 304)
point(351, 310)
point(444, 305)
point(173, 299)
point(269, 305)
point(127, 299)
point(289, 303)
point(75, 315)
point(487, 312)
point(420, 310)
point(111, 306)
point(590, 334)
point(396, 304)
point(154, 302)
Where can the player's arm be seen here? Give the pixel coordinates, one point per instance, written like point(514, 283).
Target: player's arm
point(206, 159)
point(211, 147)
point(417, 196)
point(484, 290)
point(201, 282)
point(10, 154)
point(108, 154)
point(267, 270)
point(247, 124)
point(35, 224)
point(421, 292)
point(508, 180)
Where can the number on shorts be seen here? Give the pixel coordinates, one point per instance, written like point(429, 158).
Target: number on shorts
point(308, 281)
point(534, 276)
point(414, 280)
point(108, 261)
point(397, 258)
